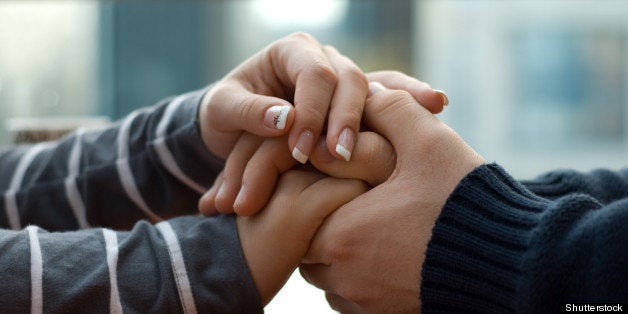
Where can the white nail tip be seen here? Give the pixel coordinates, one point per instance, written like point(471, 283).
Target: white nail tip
point(298, 155)
point(342, 151)
point(281, 117)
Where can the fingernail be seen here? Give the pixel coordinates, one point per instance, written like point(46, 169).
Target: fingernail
point(239, 199)
point(345, 144)
point(208, 193)
point(442, 94)
point(375, 87)
point(276, 117)
point(302, 150)
point(221, 191)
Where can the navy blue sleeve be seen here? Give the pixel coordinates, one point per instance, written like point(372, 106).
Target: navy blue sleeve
point(497, 247)
point(604, 185)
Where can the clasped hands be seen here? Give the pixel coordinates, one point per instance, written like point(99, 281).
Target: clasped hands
point(357, 219)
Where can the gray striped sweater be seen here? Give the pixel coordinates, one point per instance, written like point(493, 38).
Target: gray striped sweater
point(88, 222)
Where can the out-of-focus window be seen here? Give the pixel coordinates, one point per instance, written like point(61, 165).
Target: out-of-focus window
point(533, 85)
point(48, 59)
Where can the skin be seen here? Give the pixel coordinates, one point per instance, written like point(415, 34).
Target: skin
point(373, 264)
point(252, 168)
point(313, 80)
point(288, 223)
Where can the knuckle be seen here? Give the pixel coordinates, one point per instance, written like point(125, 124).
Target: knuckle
point(313, 117)
point(323, 71)
point(400, 97)
point(396, 100)
point(354, 74)
point(242, 107)
point(303, 36)
point(352, 115)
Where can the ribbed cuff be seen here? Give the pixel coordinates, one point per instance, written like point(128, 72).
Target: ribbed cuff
point(473, 260)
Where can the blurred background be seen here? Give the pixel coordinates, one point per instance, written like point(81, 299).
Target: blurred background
point(533, 85)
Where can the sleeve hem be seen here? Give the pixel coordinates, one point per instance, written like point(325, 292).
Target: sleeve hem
point(474, 258)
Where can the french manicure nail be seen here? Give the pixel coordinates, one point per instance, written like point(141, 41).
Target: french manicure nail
point(345, 144)
point(302, 150)
point(444, 96)
point(375, 87)
point(276, 117)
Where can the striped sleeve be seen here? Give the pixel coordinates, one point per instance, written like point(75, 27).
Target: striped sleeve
point(151, 165)
point(64, 200)
point(183, 265)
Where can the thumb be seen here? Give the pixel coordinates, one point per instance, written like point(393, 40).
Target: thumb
point(230, 109)
point(373, 159)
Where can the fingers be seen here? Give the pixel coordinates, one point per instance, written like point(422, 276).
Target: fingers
point(288, 223)
point(433, 100)
point(233, 108)
point(324, 82)
point(300, 62)
point(207, 203)
point(226, 187)
point(325, 196)
point(373, 160)
point(259, 178)
point(347, 105)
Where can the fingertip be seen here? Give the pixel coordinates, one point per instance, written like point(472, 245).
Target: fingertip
point(225, 198)
point(242, 206)
point(433, 100)
point(344, 145)
point(443, 96)
point(243, 209)
point(278, 118)
point(304, 146)
point(206, 203)
point(374, 88)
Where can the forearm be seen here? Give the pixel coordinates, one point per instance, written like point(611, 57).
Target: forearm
point(497, 247)
point(151, 165)
point(176, 266)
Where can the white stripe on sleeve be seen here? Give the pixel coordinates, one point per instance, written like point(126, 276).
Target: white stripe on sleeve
point(111, 244)
point(36, 271)
point(178, 267)
point(10, 202)
point(72, 192)
point(124, 168)
point(165, 156)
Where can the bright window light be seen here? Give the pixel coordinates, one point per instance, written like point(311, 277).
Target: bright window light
point(304, 13)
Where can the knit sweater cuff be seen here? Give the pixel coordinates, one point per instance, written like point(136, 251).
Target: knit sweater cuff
point(474, 258)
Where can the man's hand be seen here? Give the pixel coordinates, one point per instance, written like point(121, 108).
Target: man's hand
point(369, 253)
